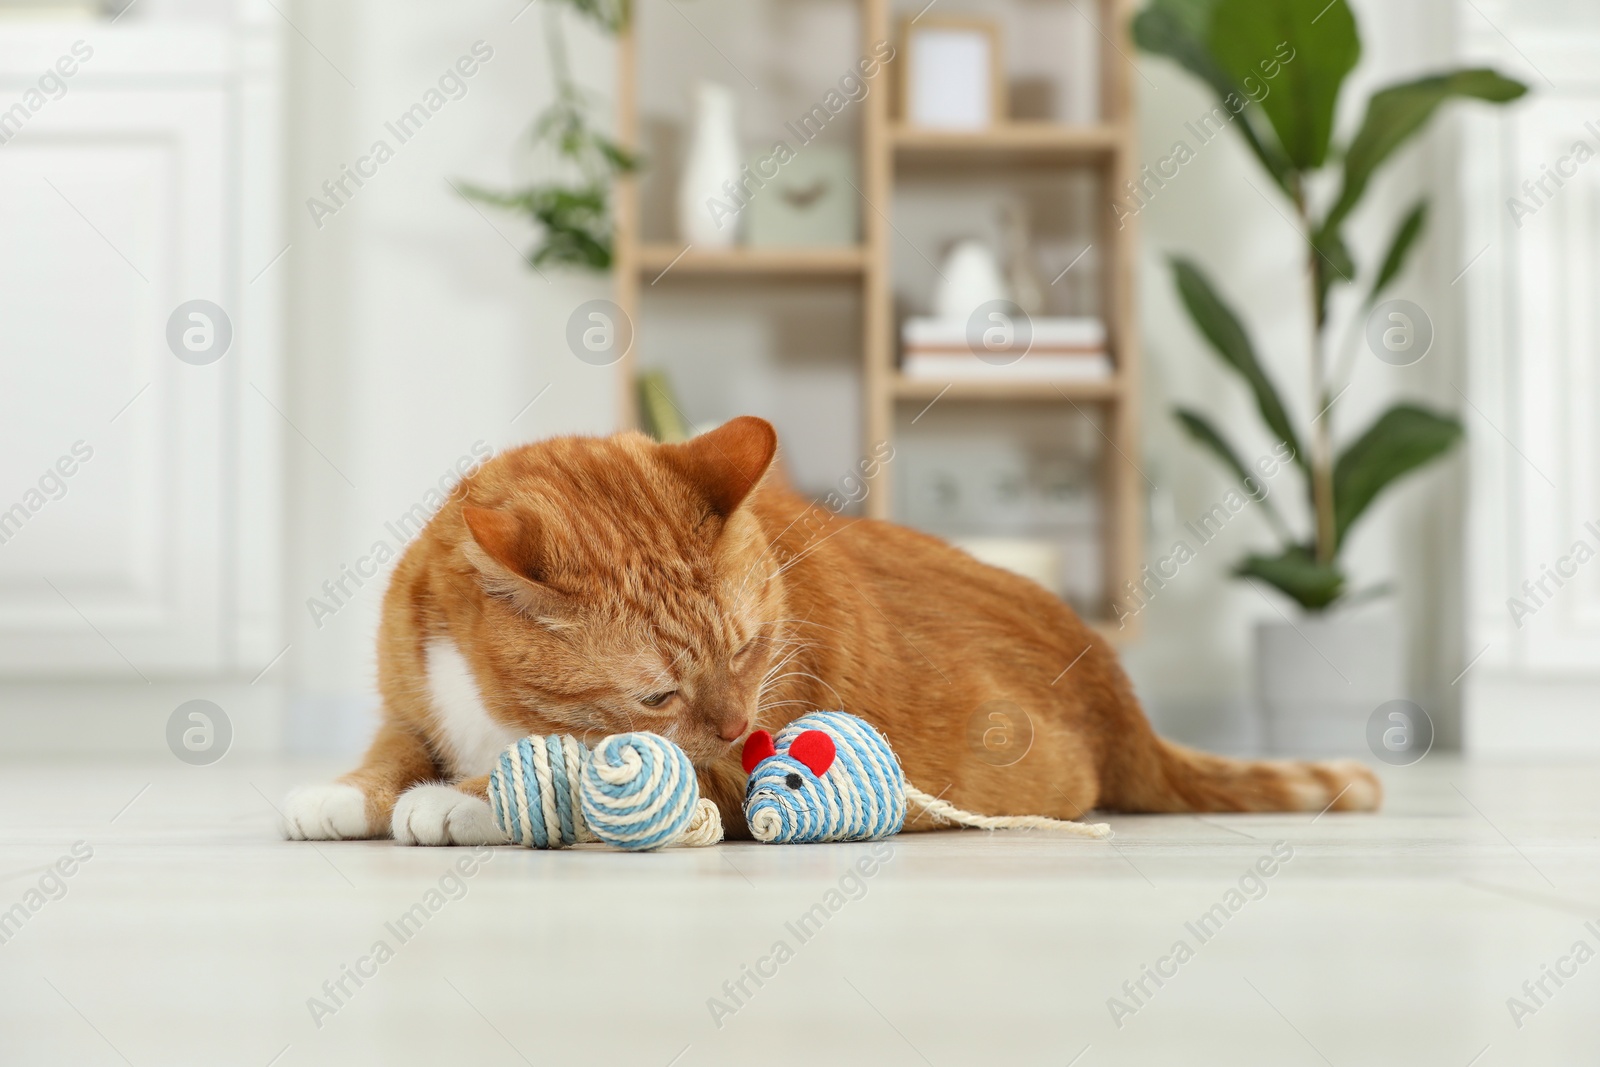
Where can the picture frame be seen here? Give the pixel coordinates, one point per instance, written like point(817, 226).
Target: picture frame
point(952, 73)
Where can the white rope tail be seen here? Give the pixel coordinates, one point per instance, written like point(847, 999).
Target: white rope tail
point(944, 811)
point(705, 826)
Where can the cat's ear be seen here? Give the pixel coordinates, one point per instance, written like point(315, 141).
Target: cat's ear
point(726, 463)
point(513, 541)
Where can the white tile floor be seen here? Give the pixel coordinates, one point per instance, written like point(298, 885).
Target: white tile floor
point(194, 936)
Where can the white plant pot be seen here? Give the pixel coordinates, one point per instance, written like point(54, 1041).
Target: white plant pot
point(1320, 680)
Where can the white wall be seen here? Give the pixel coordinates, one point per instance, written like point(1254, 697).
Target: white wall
point(1532, 600)
point(414, 332)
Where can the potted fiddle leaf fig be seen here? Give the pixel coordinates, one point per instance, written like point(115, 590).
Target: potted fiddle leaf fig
point(1323, 676)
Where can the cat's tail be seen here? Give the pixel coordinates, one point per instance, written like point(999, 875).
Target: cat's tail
point(1175, 778)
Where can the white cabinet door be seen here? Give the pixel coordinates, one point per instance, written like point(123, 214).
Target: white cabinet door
point(113, 211)
point(1530, 236)
point(1556, 601)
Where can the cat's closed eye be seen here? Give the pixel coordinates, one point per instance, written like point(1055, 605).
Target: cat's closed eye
point(655, 700)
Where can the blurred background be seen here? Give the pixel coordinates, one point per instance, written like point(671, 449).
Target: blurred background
point(244, 348)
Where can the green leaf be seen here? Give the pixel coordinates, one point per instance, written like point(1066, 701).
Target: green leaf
point(1223, 329)
point(1296, 574)
point(1396, 113)
point(1394, 261)
point(1191, 17)
point(1177, 29)
point(619, 159)
point(1291, 56)
point(1402, 439)
point(575, 221)
point(1202, 431)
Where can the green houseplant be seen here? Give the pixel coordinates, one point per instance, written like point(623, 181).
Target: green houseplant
point(572, 206)
point(1290, 133)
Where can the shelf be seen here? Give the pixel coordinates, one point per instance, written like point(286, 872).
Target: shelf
point(663, 262)
point(929, 388)
point(1009, 144)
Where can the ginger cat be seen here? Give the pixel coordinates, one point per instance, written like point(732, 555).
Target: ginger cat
point(597, 585)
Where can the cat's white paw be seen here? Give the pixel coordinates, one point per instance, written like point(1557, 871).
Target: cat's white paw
point(442, 815)
point(332, 812)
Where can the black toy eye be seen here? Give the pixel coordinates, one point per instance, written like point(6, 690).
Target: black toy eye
point(793, 781)
point(657, 699)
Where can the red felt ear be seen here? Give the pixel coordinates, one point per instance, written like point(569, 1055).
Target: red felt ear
point(815, 749)
point(757, 747)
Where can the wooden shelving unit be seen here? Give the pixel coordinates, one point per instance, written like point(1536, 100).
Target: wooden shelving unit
point(1057, 391)
point(887, 148)
point(659, 261)
point(1025, 143)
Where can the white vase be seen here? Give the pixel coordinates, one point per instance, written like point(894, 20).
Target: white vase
point(1319, 681)
point(708, 217)
point(970, 278)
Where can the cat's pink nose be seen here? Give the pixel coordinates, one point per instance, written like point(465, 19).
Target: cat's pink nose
point(734, 729)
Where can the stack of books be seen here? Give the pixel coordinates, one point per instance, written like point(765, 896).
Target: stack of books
point(660, 414)
point(1039, 350)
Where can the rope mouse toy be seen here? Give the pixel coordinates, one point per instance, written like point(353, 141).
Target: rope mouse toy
point(830, 776)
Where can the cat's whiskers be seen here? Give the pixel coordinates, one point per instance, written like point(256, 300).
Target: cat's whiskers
point(774, 674)
point(813, 677)
point(782, 704)
point(807, 622)
point(810, 549)
point(740, 594)
point(771, 544)
point(778, 665)
point(782, 669)
point(779, 642)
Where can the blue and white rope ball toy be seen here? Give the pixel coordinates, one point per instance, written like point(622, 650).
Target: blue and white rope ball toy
point(635, 791)
point(830, 776)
